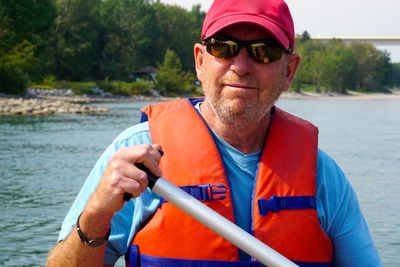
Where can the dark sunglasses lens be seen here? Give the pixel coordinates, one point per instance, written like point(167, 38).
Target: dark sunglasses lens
point(222, 49)
point(265, 53)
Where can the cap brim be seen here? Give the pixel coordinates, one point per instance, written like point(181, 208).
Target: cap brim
point(268, 25)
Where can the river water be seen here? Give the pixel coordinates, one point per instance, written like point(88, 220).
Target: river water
point(45, 160)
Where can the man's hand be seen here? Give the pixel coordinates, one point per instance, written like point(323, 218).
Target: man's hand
point(122, 176)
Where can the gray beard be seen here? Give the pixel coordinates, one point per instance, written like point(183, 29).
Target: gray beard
point(254, 113)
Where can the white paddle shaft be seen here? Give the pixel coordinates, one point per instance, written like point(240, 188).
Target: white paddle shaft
point(219, 224)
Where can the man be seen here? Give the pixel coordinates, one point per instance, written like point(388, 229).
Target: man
point(255, 164)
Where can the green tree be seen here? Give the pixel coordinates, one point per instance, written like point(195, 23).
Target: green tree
point(77, 39)
point(305, 36)
point(129, 37)
point(179, 31)
point(171, 79)
point(25, 28)
point(14, 68)
point(109, 39)
point(311, 68)
point(301, 75)
point(339, 66)
point(373, 67)
point(395, 75)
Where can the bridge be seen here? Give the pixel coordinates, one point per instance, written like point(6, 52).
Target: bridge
point(375, 40)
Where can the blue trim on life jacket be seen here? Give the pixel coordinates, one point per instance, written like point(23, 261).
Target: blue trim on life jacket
point(143, 117)
point(140, 260)
point(195, 100)
point(275, 204)
point(314, 264)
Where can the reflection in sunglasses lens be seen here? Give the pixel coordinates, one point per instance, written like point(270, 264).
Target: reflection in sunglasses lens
point(260, 51)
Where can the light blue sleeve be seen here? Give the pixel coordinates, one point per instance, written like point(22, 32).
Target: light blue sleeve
point(341, 218)
point(126, 222)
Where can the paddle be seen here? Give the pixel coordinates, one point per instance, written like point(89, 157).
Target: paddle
point(216, 222)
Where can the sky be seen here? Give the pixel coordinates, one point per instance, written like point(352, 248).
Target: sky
point(338, 18)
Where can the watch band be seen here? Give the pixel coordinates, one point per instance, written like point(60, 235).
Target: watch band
point(96, 242)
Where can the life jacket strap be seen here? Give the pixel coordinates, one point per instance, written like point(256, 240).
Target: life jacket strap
point(275, 203)
point(140, 260)
point(204, 192)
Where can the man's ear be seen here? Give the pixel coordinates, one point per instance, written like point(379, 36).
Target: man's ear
point(293, 63)
point(199, 59)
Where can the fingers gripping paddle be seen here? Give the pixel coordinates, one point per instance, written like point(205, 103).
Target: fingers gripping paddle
point(213, 220)
point(150, 176)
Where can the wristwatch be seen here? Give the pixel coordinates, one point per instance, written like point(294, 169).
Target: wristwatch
point(96, 242)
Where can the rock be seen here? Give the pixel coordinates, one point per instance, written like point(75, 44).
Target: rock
point(12, 106)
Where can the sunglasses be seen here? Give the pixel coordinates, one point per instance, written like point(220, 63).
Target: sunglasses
point(261, 51)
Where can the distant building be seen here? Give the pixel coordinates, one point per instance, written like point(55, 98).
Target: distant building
point(148, 73)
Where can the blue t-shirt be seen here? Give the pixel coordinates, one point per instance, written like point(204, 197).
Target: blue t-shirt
point(337, 205)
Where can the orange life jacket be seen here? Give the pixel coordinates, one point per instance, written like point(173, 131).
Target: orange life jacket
point(286, 174)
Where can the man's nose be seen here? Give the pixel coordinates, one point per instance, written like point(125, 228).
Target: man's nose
point(242, 63)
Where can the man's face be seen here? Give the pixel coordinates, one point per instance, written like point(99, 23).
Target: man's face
point(239, 88)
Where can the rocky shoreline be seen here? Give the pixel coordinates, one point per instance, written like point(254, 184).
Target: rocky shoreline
point(38, 107)
point(62, 104)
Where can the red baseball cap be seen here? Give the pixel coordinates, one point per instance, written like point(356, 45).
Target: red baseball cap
point(272, 15)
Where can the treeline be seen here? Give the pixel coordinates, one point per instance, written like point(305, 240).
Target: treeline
point(102, 42)
point(337, 67)
point(96, 40)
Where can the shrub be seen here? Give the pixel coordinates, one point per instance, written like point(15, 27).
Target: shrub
point(50, 80)
point(126, 88)
point(15, 65)
point(79, 88)
point(13, 80)
point(171, 79)
point(141, 87)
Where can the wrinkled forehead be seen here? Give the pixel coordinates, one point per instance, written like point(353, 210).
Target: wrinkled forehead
point(246, 31)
